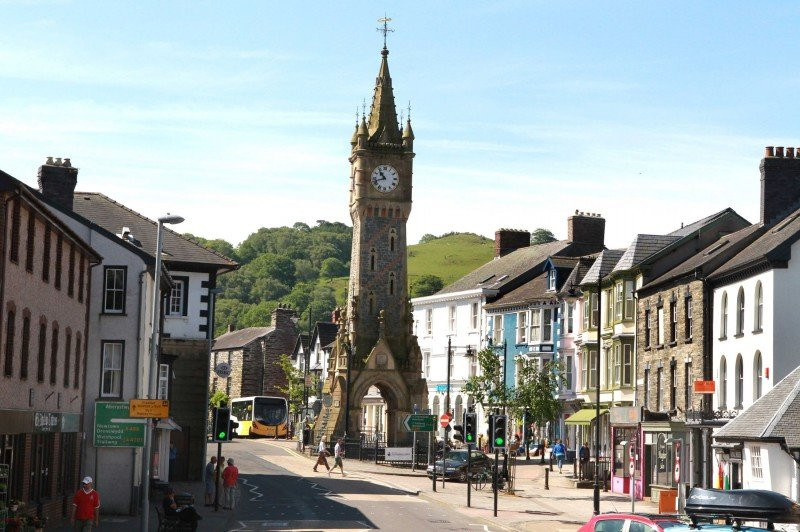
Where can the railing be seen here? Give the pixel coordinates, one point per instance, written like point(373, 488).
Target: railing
point(371, 448)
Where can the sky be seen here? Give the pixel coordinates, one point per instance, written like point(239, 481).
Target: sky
point(238, 115)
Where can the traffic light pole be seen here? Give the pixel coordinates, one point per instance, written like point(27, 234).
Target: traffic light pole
point(494, 478)
point(216, 477)
point(469, 475)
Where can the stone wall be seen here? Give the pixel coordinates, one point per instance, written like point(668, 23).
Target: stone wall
point(279, 342)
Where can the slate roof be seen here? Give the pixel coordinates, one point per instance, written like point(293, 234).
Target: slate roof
point(326, 331)
point(775, 416)
point(534, 289)
point(503, 270)
point(774, 244)
point(563, 262)
point(302, 340)
point(642, 247)
point(577, 273)
point(113, 216)
point(603, 265)
point(239, 339)
point(710, 257)
point(692, 227)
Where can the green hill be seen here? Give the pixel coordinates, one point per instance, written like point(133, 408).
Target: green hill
point(449, 257)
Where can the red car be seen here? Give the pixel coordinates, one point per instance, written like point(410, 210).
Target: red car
point(618, 522)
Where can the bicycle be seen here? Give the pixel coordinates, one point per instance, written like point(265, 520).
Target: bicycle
point(481, 478)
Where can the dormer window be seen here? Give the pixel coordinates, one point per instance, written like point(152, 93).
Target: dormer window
point(551, 279)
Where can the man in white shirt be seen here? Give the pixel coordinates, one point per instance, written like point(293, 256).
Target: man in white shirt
point(322, 456)
point(338, 453)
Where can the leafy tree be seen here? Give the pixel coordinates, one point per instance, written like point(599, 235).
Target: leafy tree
point(333, 267)
point(268, 288)
point(219, 397)
point(542, 236)
point(300, 226)
point(280, 268)
point(294, 384)
point(227, 312)
point(537, 392)
point(257, 315)
point(305, 271)
point(487, 388)
point(427, 237)
point(426, 285)
point(219, 245)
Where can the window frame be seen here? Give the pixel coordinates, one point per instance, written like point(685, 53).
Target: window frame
point(114, 290)
point(8, 365)
point(570, 317)
point(452, 312)
point(67, 356)
point(551, 280)
point(25, 347)
point(547, 324)
point(740, 312)
point(723, 318)
point(660, 325)
point(647, 327)
point(163, 380)
point(673, 314)
point(497, 329)
point(54, 334)
point(121, 369)
point(659, 392)
point(428, 321)
point(184, 301)
point(739, 384)
point(47, 243)
point(723, 383)
point(758, 308)
point(756, 466)
point(30, 238)
point(474, 314)
point(688, 318)
point(535, 336)
point(758, 376)
point(627, 364)
point(629, 306)
point(619, 300)
point(16, 214)
point(522, 327)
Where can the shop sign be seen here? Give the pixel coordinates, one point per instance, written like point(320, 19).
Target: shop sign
point(625, 415)
point(704, 387)
point(46, 421)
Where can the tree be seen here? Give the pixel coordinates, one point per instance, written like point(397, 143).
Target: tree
point(426, 285)
point(333, 267)
point(537, 392)
point(487, 388)
point(427, 237)
point(218, 398)
point(294, 384)
point(542, 236)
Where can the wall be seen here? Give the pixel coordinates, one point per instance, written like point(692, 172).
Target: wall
point(779, 472)
point(786, 336)
point(193, 325)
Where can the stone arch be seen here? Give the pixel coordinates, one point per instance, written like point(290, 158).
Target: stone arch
point(394, 392)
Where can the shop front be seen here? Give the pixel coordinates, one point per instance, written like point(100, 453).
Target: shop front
point(587, 425)
point(626, 459)
point(662, 441)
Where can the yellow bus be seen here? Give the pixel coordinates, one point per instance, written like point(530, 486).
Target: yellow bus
point(261, 416)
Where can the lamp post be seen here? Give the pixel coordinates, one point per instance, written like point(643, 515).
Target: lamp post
point(450, 347)
point(151, 394)
point(596, 485)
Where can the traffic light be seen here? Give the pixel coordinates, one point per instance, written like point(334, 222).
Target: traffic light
point(470, 427)
point(222, 425)
point(499, 431)
point(458, 433)
point(234, 426)
point(490, 431)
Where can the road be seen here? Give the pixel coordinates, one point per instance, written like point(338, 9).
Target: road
point(279, 491)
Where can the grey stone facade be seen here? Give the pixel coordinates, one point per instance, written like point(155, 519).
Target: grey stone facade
point(279, 342)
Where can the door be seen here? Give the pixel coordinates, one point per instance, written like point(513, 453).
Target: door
point(647, 459)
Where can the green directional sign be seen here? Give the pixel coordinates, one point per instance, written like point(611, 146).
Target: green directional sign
point(114, 428)
point(420, 423)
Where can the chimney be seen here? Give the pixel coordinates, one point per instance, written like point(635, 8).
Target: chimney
point(231, 328)
point(508, 240)
point(57, 180)
point(780, 182)
point(282, 317)
point(586, 228)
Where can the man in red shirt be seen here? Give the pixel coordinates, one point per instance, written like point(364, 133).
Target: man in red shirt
point(229, 478)
point(85, 507)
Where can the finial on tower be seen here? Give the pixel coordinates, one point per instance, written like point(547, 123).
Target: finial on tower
point(363, 108)
point(385, 29)
point(409, 110)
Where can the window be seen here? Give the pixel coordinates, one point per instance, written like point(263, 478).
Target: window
point(551, 279)
point(459, 407)
point(371, 302)
point(26, 346)
point(29, 238)
point(593, 369)
point(54, 354)
point(609, 295)
point(627, 364)
point(42, 351)
point(647, 328)
point(595, 310)
point(59, 257)
point(112, 370)
point(723, 383)
point(536, 325)
point(673, 330)
point(570, 317)
point(638, 526)
point(114, 290)
point(67, 353)
point(474, 316)
point(757, 376)
point(584, 370)
point(660, 326)
point(15, 222)
point(617, 364)
point(391, 284)
point(547, 326)
point(163, 381)
point(522, 327)
point(78, 354)
point(609, 525)
point(178, 301)
point(673, 385)
point(739, 382)
point(451, 318)
point(46, 255)
point(586, 313)
point(629, 308)
point(568, 372)
point(609, 367)
point(687, 390)
point(723, 321)
point(755, 462)
point(687, 318)
point(497, 333)
point(758, 318)
point(618, 300)
point(71, 272)
point(8, 367)
point(429, 321)
point(740, 313)
point(392, 239)
point(473, 365)
point(436, 406)
point(647, 387)
point(373, 258)
point(426, 360)
point(452, 368)
point(659, 395)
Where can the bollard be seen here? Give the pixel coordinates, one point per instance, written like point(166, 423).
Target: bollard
point(551, 463)
point(575, 468)
point(546, 479)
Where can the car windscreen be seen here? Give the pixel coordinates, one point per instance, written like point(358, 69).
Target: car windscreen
point(457, 457)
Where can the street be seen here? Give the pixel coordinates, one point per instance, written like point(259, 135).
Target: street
point(279, 491)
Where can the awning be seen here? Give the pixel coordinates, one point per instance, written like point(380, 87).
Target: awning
point(168, 424)
point(584, 416)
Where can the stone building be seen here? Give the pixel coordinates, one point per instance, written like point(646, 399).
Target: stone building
point(45, 276)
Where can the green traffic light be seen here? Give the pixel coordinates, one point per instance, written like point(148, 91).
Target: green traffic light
point(499, 442)
point(221, 435)
point(469, 437)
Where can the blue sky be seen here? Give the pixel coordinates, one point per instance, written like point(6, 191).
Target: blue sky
point(238, 115)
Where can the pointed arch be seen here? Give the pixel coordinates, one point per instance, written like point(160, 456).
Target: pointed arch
point(723, 323)
point(723, 383)
point(392, 239)
point(739, 390)
point(373, 259)
point(757, 376)
point(758, 308)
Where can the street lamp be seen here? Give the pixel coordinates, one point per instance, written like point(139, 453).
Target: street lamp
point(151, 394)
point(596, 485)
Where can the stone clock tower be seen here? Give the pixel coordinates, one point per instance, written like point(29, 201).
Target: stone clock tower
point(376, 327)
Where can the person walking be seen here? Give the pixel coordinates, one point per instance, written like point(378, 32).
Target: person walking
point(210, 476)
point(230, 478)
point(561, 453)
point(322, 456)
point(173, 456)
point(85, 507)
point(338, 455)
point(583, 456)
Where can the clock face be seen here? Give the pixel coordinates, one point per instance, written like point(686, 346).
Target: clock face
point(385, 178)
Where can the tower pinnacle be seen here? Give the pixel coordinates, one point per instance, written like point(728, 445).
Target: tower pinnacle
point(383, 127)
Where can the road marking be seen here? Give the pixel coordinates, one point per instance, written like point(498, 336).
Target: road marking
point(379, 497)
point(485, 528)
point(253, 490)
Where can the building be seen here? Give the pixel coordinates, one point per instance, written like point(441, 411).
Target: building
point(45, 292)
point(323, 338)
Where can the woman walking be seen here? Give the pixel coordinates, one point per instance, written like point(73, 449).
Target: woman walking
point(322, 456)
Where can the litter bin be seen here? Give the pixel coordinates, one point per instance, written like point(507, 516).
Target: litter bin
point(667, 502)
point(570, 456)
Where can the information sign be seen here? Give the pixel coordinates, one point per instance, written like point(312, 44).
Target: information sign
point(113, 427)
point(398, 454)
point(419, 423)
point(150, 408)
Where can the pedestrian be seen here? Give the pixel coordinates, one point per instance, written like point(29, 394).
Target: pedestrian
point(85, 507)
point(338, 455)
point(230, 479)
point(561, 452)
point(218, 479)
point(185, 514)
point(322, 456)
point(173, 455)
point(209, 477)
point(583, 456)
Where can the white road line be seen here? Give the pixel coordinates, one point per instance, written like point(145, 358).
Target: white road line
point(253, 490)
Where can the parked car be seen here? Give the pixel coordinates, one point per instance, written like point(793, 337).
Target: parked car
point(455, 464)
point(626, 522)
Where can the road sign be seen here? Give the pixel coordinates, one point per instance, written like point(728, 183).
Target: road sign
point(677, 462)
point(441, 388)
point(444, 419)
point(156, 408)
point(398, 454)
point(223, 370)
point(113, 427)
point(706, 387)
point(309, 381)
point(419, 423)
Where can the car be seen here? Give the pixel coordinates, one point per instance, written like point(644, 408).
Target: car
point(627, 522)
point(455, 464)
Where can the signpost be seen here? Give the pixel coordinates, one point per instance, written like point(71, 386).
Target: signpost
point(419, 423)
point(444, 420)
point(113, 427)
point(149, 408)
point(223, 370)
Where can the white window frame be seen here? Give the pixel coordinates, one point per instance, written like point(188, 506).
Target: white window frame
point(109, 292)
point(758, 376)
point(570, 317)
point(426, 364)
point(551, 279)
point(176, 298)
point(547, 325)
point(428, 321)
point(723, 324)
point(758, 318)
point(617, 365)
point(740, 311)
point(689, 318)
point(723, 383)
point(629, 305)
point(163, 381)
point(568, 372)
point(660, 325)
point(627, 364)
point(522, 327)
point(497, 329)
point(756, 469)
point(451, 318)
point(619, 298)
point(536, 326)
point(111, 372)
point(475, 311)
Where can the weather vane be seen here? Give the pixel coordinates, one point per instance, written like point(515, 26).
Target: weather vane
point(385, 29)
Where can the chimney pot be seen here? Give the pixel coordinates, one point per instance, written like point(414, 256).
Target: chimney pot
point(57, 181)
point(769, 151)
point(779, 151)
point(587, 228)
point(49, 160)
point(58, 161)
point(230, 327)
point(67, 163)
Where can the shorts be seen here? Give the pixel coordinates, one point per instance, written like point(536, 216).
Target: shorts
point(338, 461)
